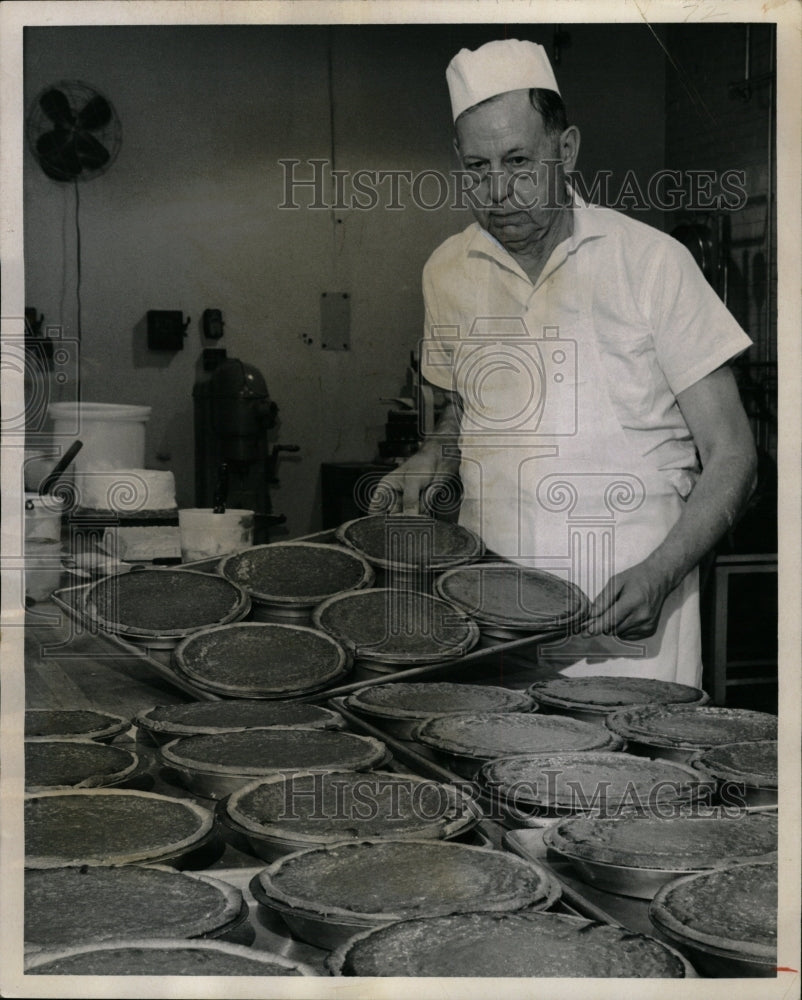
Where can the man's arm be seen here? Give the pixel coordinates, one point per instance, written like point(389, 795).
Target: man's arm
point(435, 462)
point(631, 602)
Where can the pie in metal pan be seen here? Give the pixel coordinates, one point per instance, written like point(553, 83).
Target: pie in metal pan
point(725, 919)
point(75, 764)
point(522, 944)
point(595, 697)
point(597, 782)
point(466, 741)
point(72, 906)
point(164, 957)
point(635, 855)
point(512, 596)
point(296, 574)
point(164, 723)
point(111, 826)
point(680, 731)
point(286, 813)
point(218, 764)
point(255, 660)
point(325, 895)
point(161, 603)
point(410, 542)
point(402, 627)
point(73, 723)
point(400, 707)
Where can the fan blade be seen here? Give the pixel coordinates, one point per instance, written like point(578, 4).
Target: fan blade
point(57, 108)
point(95, 114)
point(57, 155)
point(90, 152)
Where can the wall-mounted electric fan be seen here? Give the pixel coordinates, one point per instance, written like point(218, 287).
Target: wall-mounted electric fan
point(73, 131)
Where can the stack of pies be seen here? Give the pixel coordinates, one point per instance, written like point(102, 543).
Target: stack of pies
point(284, 813)
point(71, 906)
point(601, 783)
point(407, 543)
point(167, 722)
point(165, 958)
point(149, 605)
point(72, 723)
point(400, 707)
point(746, 772)
point(327, 894)
point(287, 579)
point(635, 855)
point(506, 598)
point(261, 660)
point(111, 827)
point(217, 765)
point(75, 764)
point(507, 944)
point(397, 628)
point(725, 919)
point(678, 732)
point(465, 742)
point(592, 698)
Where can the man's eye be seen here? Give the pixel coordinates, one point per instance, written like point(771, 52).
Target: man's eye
point(518, 161)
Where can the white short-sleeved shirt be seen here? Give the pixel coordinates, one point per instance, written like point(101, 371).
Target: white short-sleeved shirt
point(659, 326)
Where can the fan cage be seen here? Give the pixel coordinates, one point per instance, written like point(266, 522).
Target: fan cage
point(78, 94)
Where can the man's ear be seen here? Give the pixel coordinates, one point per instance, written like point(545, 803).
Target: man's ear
point(569, 147)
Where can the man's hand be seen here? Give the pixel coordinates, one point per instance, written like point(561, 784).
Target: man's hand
point(434, 469)
point(427, 470)
point(629, 606)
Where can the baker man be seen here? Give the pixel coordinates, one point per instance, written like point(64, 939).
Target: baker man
point(591, 414)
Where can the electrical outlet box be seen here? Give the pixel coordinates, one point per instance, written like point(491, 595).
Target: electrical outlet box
point(335, 321)
point(166, 329)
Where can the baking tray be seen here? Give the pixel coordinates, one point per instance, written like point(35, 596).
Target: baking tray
point(159, 660)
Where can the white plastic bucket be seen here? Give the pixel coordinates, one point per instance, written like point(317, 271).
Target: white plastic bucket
point(205, 534)
point(113, 434)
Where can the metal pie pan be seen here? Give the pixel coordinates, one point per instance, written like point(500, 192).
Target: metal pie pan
point(714, 956)
point(36, 964)
point(105, 734)
point(528, 808)
point(322, 932)
point(164, 638)
point(271, 846)
point(161, 733)
point(374, 658)
point(719, 963)
point(285, 606)
point(512, 626)
point(467, 766)
point(656, 745)
point(341, 667)
point(337, 960)
point(621, 880)
point(100, 780)
point(218, 784)
point(474, 548)
point(332, 931)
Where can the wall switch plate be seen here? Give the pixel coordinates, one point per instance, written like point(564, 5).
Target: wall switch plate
point(335, 321)
point(212, 324)
point(166, 329)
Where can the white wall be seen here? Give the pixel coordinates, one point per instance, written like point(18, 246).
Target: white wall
point(187, 217)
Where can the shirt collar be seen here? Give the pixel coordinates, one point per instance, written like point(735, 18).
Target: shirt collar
point(587, 226)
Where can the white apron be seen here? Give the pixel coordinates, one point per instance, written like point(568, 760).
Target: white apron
point(551, 480)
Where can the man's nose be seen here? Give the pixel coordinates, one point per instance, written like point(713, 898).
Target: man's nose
point(499, 186)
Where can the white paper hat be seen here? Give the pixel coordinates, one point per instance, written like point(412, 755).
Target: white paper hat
point(496, 68)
